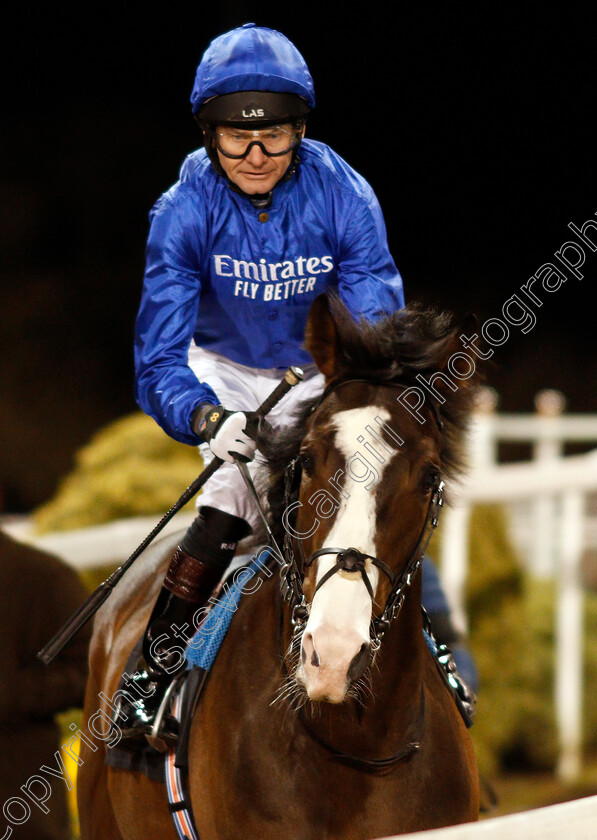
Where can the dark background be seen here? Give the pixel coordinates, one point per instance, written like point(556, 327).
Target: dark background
point(475, 124)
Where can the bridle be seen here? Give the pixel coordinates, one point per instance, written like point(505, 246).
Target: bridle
point(351, 559)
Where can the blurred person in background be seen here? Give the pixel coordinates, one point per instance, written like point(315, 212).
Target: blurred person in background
point(39, 593)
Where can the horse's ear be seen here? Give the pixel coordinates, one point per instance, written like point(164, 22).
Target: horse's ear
point(469, 324)
point(452, 343)
point(457, 365)
point(321, 337)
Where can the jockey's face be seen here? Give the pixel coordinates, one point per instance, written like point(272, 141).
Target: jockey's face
point(256, 172)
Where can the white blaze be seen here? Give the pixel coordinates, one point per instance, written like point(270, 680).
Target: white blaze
point(344, 598)
point(340, 613)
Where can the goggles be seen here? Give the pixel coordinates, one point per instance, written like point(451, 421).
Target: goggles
point(276, 140)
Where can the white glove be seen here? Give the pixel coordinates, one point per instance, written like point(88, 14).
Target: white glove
point(226, 433)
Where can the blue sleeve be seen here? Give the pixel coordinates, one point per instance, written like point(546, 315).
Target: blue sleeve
point(369, 282)
point(165, 386)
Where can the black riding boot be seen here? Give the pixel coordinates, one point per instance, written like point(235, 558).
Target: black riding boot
point(195, 570)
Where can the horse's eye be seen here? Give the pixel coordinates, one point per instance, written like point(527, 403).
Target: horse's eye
point(308, 464)
point(430, 479)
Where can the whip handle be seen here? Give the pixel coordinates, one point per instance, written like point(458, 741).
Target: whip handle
point(292, 377)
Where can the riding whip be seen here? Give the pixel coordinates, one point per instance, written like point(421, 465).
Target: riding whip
point(292, 377)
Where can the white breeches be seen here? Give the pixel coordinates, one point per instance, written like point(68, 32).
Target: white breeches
point(241, 388)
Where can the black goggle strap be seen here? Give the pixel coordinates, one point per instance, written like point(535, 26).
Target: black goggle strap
point(296, 138)
point(255, 143)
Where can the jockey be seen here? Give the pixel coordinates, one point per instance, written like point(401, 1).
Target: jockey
point(260, 222)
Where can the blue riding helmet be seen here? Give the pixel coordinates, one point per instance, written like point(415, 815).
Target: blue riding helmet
point(252, 58)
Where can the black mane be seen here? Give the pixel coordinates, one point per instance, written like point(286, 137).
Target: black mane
point(393, 350)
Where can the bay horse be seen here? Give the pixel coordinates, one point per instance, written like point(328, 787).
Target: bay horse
point(324, 717)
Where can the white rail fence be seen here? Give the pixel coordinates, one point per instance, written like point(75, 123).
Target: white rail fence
point(577, 820)
point(553, 490)
point(100, 545)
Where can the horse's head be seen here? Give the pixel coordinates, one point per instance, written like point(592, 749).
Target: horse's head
point(375, 450)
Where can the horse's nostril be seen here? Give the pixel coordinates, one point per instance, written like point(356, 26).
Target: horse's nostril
point(309, 652)
point(359, 662)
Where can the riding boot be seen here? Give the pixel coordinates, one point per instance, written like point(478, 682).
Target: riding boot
point(195, 570)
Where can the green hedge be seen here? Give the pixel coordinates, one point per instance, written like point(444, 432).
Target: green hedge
point(511, 634)
point(129, 468)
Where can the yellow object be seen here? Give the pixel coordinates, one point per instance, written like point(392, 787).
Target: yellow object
point(129, 468)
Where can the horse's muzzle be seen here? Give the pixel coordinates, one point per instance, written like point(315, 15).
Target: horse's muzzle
point(331, 661)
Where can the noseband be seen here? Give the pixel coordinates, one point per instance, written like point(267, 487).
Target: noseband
point(351, 559)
